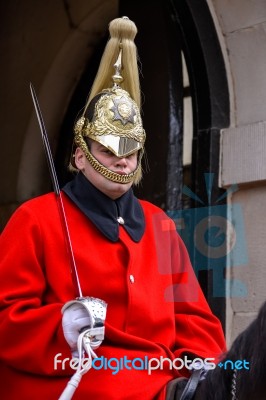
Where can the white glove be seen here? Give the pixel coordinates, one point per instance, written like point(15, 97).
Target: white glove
point(75, 319)
point(87, 314)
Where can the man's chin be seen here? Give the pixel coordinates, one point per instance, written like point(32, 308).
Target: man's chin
point(117, 189)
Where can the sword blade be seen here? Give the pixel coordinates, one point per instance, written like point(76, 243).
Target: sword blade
point(50, 161)
point(47, 148)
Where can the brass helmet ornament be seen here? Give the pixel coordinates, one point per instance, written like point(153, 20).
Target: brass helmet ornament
point(112, 115)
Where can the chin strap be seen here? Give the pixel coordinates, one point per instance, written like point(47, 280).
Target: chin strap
point(88, 341)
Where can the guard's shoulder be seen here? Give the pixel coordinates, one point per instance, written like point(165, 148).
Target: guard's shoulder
point(157, 215)
point(146, 205)
point(31, 212)
point(39, 202)
point(150, 207)
point(37, 207)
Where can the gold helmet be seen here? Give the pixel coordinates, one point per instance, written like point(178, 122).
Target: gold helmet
point(112, 114)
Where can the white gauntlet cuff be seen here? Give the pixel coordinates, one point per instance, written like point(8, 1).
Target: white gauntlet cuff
point(85, 313)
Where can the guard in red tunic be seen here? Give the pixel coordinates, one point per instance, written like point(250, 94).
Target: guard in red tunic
point(128, 254)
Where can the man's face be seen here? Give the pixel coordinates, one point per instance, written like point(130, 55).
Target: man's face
point(121, 166)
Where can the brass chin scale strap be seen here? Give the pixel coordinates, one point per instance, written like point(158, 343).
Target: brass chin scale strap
point(107, 173)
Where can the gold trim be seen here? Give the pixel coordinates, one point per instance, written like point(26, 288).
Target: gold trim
point(109, 119)
point(107, 173)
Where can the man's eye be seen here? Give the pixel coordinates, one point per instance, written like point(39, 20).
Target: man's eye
point(106, 151)
point(132, 155)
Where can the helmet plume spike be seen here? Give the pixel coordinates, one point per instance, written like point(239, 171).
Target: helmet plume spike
point(117, 78)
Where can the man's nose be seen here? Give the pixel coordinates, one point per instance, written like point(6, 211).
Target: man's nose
point(121, 162)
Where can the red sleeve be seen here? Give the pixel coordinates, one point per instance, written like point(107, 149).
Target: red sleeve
point(198, 330)
point(30, 329)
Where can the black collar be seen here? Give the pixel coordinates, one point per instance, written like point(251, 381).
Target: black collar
point(104, 212)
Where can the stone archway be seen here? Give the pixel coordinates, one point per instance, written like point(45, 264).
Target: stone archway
point(54, 95)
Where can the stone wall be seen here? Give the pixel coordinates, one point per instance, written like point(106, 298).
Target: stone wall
point(242, 28)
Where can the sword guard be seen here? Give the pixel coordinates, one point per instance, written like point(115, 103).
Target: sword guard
point(95, 307)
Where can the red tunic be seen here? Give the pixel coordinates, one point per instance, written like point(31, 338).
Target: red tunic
point(155, 306)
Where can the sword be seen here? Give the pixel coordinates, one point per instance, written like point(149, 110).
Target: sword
point(48, 153)
point(90, 337)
